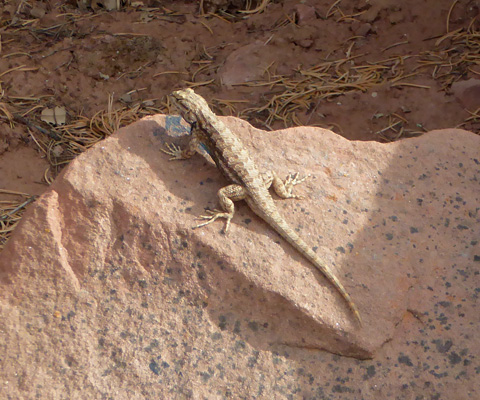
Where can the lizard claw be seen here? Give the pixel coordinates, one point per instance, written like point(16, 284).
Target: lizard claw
point(291, 181)
point(174, 151)
point(213, 216)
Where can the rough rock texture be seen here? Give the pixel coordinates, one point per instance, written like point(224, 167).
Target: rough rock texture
point(106, 292)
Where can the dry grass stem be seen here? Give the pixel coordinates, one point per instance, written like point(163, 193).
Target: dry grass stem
point(11, 212)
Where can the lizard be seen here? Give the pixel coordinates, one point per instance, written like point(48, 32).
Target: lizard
point(247, 183)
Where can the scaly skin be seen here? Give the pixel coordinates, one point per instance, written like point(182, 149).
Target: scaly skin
point(233, 160)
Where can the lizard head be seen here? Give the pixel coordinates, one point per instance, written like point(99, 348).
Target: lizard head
point(190, 105)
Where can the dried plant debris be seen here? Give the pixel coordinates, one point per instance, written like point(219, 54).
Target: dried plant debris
point(11, 211)
point(396, 128)
point(54, 116)
point(82, 133)
point(246, 7)
point(109, 5)
point(308, 87)
point(61, 142)
point(471, 123)
point(456, 56)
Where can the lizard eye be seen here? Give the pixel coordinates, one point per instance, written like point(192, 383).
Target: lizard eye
point(189, 117)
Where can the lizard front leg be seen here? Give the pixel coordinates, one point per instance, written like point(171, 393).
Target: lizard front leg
point(284, 189)
point(178, 154)
point(226, 195)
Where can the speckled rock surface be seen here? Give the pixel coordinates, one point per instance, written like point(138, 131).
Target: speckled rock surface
point(106, 292)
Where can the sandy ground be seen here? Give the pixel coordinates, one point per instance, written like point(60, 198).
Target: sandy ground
point(54, 54)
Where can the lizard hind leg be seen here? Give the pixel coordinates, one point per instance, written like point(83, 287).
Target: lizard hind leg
point(226, 195)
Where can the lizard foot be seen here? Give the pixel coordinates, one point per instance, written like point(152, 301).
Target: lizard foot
point(213, 216)
point(174, 151)
point(290, 182)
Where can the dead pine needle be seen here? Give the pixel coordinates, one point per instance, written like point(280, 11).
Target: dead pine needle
point(329, 12)
point(206, 26)
point(11, 212)
point(197, 84)
point(394, 45)
point(259, 9)
point(449, 14)
point(411, 85)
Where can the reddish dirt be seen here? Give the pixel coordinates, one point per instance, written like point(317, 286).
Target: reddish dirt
point(76, 58)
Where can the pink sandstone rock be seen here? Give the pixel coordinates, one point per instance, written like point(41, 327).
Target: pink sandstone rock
point(468, 93)
point(107, 292)
point(248, 63)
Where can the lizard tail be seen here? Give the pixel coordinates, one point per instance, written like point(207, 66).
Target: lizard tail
point(284, 230)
